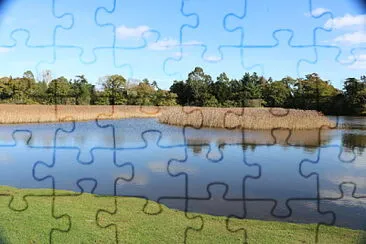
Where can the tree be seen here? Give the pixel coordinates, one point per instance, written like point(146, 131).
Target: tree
point(198, 84)
point(114, 87)
point(314, 93)
point(355, 95)
point(181, 90)
point(81, 90)
point(221, 89)
point(276, 93)
point(142, 94)
point(59, 91)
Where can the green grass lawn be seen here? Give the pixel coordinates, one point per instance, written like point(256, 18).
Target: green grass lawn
point(86, 218)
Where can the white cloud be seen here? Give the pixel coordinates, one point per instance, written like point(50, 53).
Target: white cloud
point(360, 62)
point(212, 58)
point(347, 20)
point(164, 44)
point(124, 32)
point(169, 43)
point(357, 37)
point(317, 12)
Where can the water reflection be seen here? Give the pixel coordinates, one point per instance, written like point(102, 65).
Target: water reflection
point(259, 174)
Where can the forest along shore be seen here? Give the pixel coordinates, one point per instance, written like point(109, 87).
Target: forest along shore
point(228, 118)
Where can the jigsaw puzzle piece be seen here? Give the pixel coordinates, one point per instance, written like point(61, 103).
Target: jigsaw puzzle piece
point(80, 217)
point(85, 137)
point(301, 211)
point(149, 58)
point(43, 14)
point(216, 204)
point(349, 209)
point(230, 170)
point(128, 21)
point(248, 20)
point(104, 64)
point(231, 57)
point(17, 160)
point(38, 136)
point(65, 170)
point(332, 167)
point(329, 68)
point(273, 167)
point(210, 24)
point(150, 169)
point(214, 140)
point(25, 219)
point(84, 26)
point(348, 26)
point(129, 214)
point(21, 55)
point(128, 131)
point(267, 57)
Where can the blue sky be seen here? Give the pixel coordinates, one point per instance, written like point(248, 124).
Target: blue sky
point(164, 40)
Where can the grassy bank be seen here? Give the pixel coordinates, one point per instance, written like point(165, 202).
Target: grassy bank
point(35, 223)
point(247, 118)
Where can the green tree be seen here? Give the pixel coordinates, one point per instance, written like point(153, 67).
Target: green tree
point(81, 90)
point(221, 90)
point(180, 88)
point(276, 93)
point(314, 93)
point(198, 84)
point(114, 87)
point(355, 95)
point(142, 94)
point(59, 91)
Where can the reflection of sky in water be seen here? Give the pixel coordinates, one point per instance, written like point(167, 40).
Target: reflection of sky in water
point(225, 157)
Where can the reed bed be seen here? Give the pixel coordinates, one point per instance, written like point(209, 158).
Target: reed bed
point(245, 118)
point(20, 114)
point(242, 118)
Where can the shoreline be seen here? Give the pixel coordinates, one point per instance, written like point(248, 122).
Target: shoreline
point(90, 215)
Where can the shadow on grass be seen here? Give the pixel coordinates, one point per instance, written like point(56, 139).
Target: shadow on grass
point(362, 237)
point(3, 238)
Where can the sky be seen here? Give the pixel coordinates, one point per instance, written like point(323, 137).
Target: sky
point(164, 40)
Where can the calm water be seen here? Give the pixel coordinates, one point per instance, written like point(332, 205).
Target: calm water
point(300, 176)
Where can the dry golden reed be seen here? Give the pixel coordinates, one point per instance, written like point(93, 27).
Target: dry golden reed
point(18, 114)
point(245, 118)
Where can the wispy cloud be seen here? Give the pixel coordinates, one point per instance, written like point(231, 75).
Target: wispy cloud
point(347, 20)
point(212, 58)
point(317, 12)
point(169, 43)
point(359, 64)
point(164, 44)
point(357, 37)
point(124, 32)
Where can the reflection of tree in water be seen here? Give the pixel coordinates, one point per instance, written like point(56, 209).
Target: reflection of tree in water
point(196, 145)
point(357, 141)
point(248, 146)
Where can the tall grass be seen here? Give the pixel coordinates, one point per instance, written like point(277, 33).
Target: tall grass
point(17, 114)
point(245, 118)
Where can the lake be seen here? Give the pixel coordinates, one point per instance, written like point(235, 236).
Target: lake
point(308, 176)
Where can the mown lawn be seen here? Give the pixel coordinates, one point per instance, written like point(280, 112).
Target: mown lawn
point(84, 219)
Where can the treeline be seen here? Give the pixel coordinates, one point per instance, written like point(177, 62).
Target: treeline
point(199, 89)
point(311, 92)
point(114, 90)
